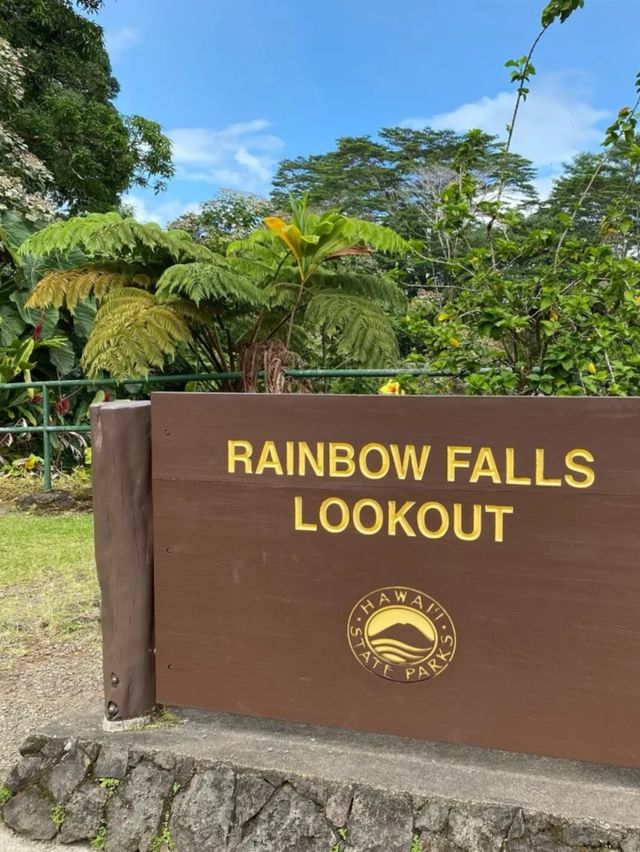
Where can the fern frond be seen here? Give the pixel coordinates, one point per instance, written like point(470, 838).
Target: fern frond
point(377, 288)
point(66, 287)
point(209, 282)
point(102, 236)
point(256, 269)
point(376, 236)
point(132, 334)
point(262, 239)
point(364, 332)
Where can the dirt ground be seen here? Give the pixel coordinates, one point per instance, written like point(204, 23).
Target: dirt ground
point(56, 683)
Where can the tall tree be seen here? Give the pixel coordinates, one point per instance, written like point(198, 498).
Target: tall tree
point(65, 115)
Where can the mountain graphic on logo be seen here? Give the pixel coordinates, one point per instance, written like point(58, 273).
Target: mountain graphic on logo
point(402, 643)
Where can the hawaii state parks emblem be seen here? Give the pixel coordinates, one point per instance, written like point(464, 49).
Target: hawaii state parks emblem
point(401, 634)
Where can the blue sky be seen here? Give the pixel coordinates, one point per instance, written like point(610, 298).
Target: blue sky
point(240, 84)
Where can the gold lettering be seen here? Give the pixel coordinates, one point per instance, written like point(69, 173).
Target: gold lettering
point(499, 512)
point(239, 451)
point(382, 451)
point(457, 523)
point(511, 478)
point(269, 459)
point(343, 523)
point(305, 454)
point(422, 523)
point(454, 463)
point(378, 516)
point(540, 477)
point(397, 516)
point(341, 461)
point(486, 466)
point(587, 472)
point(300, 524)
point(408, 459)
point(291, 464)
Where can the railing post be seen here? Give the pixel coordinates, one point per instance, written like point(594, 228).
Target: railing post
point(46, 437)
point(121, 465)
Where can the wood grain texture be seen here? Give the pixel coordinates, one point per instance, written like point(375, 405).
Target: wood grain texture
point(251, 615)
point(121, 464)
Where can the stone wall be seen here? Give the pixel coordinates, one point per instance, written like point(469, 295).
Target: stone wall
point(124, 800)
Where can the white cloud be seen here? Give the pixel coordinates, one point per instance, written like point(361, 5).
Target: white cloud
point(555, 122)
point(120, 41)
point(241, 156)
point(165, 211)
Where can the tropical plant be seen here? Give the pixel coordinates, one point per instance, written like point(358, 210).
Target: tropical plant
point(284, 289)
point(550, 303)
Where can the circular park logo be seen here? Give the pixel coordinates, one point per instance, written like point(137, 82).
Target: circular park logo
point(401, 634)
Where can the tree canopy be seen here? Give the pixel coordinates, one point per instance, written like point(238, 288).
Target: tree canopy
point(62, 111)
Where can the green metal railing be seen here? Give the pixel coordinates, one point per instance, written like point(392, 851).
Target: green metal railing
point(47, 430)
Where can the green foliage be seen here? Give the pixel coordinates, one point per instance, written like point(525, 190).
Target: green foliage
point(99, 842)
point(416, 845)
point(560, 9)
point(110, 784)
point(58, 816)
point(110, 237)
point(162, 293)
point(163, 838)
point(227, 217)
point(5, 795)
point(133, 333)
point(66, 117)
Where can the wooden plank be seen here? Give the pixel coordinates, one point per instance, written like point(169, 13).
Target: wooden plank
point(252, 614)
point(121, 463)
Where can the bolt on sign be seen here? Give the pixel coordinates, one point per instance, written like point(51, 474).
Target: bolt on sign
point(456, 569)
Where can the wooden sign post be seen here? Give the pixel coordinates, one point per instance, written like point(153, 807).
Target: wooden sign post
point(458, 569)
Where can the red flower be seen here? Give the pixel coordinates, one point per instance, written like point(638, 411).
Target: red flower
point(37, 331)
point(36, 398)
point(107, 396)
point(63, 406)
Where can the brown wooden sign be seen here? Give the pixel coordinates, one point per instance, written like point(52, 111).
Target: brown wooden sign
point(459, 569)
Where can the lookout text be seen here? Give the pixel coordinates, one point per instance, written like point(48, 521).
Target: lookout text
point(429, 518)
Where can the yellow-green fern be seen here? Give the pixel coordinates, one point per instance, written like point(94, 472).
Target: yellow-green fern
point(133, 333)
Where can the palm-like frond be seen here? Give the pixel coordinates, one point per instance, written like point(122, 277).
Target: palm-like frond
point(214, 281)
point(145, 332)
point(66, 287)
point(375, 287)
point(103, 236)
point(364, 333)
point(376, 236)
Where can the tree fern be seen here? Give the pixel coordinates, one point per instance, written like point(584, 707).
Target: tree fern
point(103, 236)
point(376, 287)
point(376, 236)
point(214, 282)
point(132, 334)
point(66, 287)
point(364, 332)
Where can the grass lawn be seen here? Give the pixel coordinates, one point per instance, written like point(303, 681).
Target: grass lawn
point(48, 588)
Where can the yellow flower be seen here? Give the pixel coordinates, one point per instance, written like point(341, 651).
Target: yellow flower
point(454, 342)
point(391, 389)
point(554, 316)
point(31, 462)
point(442, 317)
point(591, 367)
